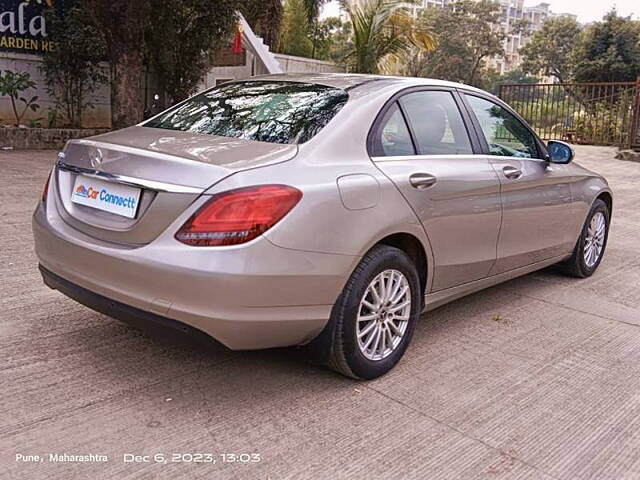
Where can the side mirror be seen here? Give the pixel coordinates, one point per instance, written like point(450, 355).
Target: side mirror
point(560, 152)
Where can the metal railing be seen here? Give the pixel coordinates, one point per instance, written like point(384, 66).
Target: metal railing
point(586, 113)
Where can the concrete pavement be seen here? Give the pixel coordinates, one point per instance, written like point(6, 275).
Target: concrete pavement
point(537, 378)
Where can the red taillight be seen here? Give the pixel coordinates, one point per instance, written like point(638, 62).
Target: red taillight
point(238, 216)
point(45, 190)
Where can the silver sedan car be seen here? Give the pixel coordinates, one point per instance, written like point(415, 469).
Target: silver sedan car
point(319, 211)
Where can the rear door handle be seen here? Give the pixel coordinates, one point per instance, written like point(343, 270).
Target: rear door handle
point(512, 172)
point(422, 180)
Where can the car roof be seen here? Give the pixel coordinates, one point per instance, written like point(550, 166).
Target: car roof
point(365, 83)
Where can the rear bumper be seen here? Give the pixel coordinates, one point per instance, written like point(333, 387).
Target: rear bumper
point(117, 310)
point(251, 296)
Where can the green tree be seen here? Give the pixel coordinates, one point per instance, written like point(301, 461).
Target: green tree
point(312, 7)
point(72, 70)
point(468, 33)
point(550, 49)
point(181, 39)
point(325, 36)
point(609, 51)
point(315, 26)
point(12, 84)
point(122, 23)
point(294, 35)
point(384, 33)
point(493, 79)
point(339, 44)
point(265, 18)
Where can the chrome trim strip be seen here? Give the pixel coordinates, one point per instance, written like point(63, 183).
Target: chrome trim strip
point(134, 182)
point(398, 158)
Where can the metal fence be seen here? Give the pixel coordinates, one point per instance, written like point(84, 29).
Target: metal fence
point(587, 113)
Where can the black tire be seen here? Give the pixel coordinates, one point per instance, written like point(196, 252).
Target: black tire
point(576, 266)
point(345, 356)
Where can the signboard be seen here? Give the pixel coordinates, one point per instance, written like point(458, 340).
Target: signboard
point(23, 27)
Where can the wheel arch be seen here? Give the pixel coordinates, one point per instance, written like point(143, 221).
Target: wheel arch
point(318, 350)
point(414, 248)
point(607, 198)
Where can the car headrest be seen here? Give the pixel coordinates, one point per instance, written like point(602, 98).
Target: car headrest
point(430, 124)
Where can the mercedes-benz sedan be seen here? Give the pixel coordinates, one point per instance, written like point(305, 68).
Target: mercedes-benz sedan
point(323, 211)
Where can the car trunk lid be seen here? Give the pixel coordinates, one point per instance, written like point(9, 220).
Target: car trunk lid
point(170, 169)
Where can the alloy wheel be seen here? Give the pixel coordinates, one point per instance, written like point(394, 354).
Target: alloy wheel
point(383, 314)
point(594, 240)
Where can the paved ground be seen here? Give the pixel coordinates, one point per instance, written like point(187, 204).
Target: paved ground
point(552, 391)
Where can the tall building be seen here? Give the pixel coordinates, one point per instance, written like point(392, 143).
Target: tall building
point(429, 4)
point(538, 14)
point(512, 12)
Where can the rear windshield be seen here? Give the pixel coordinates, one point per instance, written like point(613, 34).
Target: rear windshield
point(276, 112)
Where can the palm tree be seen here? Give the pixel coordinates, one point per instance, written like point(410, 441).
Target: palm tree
point(384, 34)
point(313, 9)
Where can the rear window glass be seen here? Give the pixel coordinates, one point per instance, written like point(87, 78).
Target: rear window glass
point(276, 112)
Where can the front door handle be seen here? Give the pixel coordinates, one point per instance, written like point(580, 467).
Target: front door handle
point(422, 180)
point(512, 172)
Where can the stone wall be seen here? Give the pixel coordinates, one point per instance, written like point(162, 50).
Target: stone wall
point(41, 138)
point(292, 64)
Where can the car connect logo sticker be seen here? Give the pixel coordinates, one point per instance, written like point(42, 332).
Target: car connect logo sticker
point(105, 196)
point(82, 191)
point(111, 197)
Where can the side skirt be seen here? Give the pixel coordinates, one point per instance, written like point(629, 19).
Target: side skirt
point(437, 299)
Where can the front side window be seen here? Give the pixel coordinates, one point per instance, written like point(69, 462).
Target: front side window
point(506, 135)
point(269, 111)
point(392, 137)
point(436, 123)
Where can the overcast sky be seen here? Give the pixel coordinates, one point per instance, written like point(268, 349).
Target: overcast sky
point(587, 10)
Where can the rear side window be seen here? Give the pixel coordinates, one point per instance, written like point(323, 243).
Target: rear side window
point(436, 123)
point(276, 112)
point(391, 137)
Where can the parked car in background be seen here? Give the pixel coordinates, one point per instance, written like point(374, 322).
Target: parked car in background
point(324, 211)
